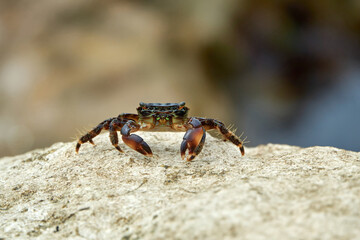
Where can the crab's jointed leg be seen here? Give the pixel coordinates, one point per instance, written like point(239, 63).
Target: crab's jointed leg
point(93, 133)
point(134, 141)
point(115, 126)
point(209, 123)
point(111, 124)
point(194, 139)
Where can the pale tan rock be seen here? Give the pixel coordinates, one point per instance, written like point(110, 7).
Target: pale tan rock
point(274, 192)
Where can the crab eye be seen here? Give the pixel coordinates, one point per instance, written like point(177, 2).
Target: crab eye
point(180, 113)
point(145, 113)
point(158, 118)
point(167, 119)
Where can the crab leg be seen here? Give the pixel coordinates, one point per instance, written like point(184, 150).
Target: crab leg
point(93, 133)
point(112, 124)
point(134, 141)
point(208, 124)
point(194, 139)
point(115, 126)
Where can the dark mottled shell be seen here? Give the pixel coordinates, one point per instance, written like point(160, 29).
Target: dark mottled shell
point(162, 105)
point(171, 112)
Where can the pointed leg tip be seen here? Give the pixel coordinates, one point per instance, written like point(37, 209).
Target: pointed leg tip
point(242, 150)
point(118, 148)
point(78, 145)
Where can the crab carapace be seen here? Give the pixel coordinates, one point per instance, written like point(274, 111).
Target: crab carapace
point(161, 117)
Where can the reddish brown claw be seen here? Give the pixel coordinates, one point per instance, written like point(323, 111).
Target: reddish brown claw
point(183, 148)
point(138, 144)
point(194, 140)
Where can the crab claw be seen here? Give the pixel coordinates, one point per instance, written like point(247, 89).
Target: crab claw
point(138, 144)
point(194, 140)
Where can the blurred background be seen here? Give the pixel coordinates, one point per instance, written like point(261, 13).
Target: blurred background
point(280, 71)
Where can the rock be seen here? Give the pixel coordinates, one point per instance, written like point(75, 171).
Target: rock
point(273, 192)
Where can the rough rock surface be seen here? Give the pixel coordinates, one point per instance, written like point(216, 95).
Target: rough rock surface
point(274, 192)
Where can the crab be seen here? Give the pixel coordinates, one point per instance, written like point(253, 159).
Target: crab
point(160, 117)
